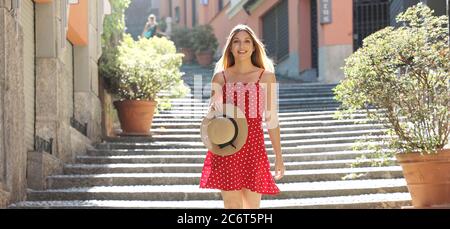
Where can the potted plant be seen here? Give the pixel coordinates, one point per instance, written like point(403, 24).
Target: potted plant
point(404, 74)
point(204, 44)
point(182, 37)
point(136, 73)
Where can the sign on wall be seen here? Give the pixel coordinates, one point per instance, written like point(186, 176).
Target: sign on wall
point(325, 11)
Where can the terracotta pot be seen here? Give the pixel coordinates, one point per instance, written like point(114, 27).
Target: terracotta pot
point(135, 116)
point(188, 55)
point(428, 177)
point(204, 58)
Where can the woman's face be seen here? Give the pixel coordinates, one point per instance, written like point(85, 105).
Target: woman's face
point(242, 46)
point(151, 20)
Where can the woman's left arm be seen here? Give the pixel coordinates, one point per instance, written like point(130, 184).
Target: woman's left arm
point(272, 123)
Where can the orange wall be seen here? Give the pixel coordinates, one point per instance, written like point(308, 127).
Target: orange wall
point(181, 5)
point(294, 14)
point(222, 24)
point(304, 35)
point(78, 23)
point(189, 13)
point(164, 10)
point(203, 13)
point(340, 31)
point(299, 27)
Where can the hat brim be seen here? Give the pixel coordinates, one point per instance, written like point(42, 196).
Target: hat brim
point(233, 112)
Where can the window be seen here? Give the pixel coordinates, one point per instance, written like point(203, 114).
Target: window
point(194, 13)
point(177, 14)
point(276, 32)
point(369, 17)
point(220, 5)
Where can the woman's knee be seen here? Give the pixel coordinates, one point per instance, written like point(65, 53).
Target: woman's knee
point(251, 200)
point(233, 204)
point(232, 199)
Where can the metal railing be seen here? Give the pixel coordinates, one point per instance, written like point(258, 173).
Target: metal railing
point(82, 128)
point(42, 145)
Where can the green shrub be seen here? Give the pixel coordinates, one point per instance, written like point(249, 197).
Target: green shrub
point(404, 72)
point(203, 39)
point(162, 24)
point(182, 37)
point(138, 70)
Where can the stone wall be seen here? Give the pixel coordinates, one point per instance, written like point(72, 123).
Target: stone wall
point(57, 100)
point(87, 101)
point(41, 165)
point(12, 105)
point(58, 67)
point(331, 60)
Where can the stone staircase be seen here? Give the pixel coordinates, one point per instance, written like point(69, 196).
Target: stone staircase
point(164, 171)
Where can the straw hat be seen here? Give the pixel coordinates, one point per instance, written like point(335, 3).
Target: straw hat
point(224, 133)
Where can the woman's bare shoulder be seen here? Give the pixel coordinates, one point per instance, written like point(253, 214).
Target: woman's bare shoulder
point(218, 78)
point(268, 77)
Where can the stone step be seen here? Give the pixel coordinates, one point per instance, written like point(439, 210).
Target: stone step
point(188, 109)
point(280, 85)
point(291, 89)
point(198, 144)
point(292, 157)
point(200, 97)
point(114, 179)
point(281, 110)
point(281, 113)
point(192, 137)
point(300, 105)
point(205, 98)
point(282, 106)
point(281, 101)
point(189, 77)
point(193, 192)
point(201, 151)
point(188, 118)
point(367, 201)
point(284, 130)
point(206, 89)
point(197, 167)
point(291, 124)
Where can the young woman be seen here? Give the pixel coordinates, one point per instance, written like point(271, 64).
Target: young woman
point(244, 76)
point(151, 27)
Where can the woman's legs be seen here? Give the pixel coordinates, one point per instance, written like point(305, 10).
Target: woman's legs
point(251, 200)
point(241, 199)
point(232, 199)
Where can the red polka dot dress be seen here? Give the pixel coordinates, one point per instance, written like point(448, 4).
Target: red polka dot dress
point(249, 167)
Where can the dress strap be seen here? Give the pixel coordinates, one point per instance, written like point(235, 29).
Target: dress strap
point(224, 79)
point(260, 76)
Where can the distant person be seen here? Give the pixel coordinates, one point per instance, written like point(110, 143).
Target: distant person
point(151, 27)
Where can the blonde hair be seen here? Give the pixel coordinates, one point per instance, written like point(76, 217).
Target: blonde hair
point(259, 56)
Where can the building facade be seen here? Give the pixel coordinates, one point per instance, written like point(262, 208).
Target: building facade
point(49, 92)
point(307, 39)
